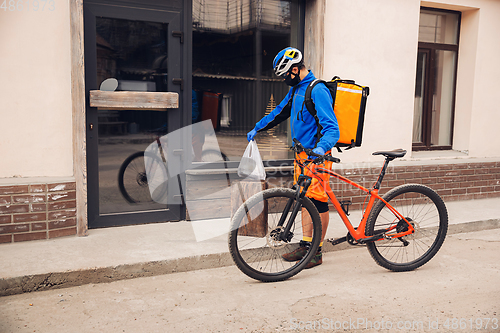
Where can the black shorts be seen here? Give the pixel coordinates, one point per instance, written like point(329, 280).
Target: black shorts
point(320, 205)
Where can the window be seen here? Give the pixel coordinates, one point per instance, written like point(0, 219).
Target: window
point(234, 44)
point(435, 79)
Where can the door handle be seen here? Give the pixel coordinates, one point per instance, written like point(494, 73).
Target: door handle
point(178, 34)
point(179, 82)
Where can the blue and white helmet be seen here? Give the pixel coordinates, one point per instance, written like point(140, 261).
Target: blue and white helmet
point(285, 59)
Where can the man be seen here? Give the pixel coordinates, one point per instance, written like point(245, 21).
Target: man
point(320, 137)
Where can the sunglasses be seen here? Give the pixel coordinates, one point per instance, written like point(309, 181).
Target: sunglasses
point(284, 75)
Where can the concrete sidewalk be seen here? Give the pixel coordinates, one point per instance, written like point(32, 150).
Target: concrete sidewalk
point(461, 281)
point(111, 254)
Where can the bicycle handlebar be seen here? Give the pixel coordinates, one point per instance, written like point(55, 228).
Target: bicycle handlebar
point(298, 148)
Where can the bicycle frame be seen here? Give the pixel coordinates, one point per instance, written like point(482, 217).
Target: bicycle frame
point(357, 233)
point(395, 241)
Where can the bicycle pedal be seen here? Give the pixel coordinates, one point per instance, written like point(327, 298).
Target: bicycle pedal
point(337, 241)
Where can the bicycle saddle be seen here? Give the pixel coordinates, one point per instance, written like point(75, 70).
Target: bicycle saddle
point(396, 153)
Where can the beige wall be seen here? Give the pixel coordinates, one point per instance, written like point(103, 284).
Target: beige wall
point(485, 117)
point(375, 43)
point(466, 73)
point(35, 92)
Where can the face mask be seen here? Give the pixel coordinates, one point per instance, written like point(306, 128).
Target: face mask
point(292, 82)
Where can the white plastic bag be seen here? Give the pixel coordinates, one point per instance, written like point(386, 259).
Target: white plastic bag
point(251, 165)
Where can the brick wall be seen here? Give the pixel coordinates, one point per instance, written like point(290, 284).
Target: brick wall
point(44, 211)
point(453, 182)
point(37, 211)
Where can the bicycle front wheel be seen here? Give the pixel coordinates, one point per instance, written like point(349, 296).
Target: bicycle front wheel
point(424, 209)
point(255, 238)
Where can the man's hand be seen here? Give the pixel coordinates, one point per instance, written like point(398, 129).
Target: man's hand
point(251, 134)
point(319, 151)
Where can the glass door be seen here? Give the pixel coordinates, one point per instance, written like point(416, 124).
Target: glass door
point(129, 49)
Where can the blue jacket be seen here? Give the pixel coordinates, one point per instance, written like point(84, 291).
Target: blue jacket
point(302, 123)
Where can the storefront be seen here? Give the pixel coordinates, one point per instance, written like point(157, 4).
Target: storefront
point(215, 55)
point(72, 165)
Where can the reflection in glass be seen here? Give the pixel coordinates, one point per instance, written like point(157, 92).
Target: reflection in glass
point(419, 97)
point(234, 44)
point(442, 104)
point(438, 27)
point(135, 54)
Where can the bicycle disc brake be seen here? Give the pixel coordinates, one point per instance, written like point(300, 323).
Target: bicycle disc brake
point(273, 238)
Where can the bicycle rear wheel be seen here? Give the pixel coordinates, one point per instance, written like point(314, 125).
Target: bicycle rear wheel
point(254, 241)
point(427, 213)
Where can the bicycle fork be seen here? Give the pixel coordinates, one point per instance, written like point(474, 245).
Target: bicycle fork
point(285, 234)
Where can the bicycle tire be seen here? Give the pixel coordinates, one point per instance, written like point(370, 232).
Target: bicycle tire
point(425, 210)
point(259, 256)
point(133, 179)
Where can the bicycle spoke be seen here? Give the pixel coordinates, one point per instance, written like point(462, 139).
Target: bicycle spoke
point(143, 179)
point(259, 255)
point(425, 211)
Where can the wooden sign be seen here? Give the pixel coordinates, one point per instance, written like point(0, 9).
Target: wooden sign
point(134, 100)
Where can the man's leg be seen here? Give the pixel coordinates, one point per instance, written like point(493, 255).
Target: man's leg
point(318, 258)
point(307, 226)
point(325, 220)
point(307, 233)
point(307, 229)
point(318, 196)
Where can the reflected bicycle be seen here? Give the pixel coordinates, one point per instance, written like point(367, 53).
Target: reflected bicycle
point(133, 175)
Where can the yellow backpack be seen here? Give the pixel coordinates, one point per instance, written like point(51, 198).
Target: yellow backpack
point(349, 103)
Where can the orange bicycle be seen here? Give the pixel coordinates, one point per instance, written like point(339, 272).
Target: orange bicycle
point(402, 229)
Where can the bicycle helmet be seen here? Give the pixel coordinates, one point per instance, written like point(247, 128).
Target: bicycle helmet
point(285, 59)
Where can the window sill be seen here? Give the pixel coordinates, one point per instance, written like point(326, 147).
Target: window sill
point(222, 171)
point(438, 154)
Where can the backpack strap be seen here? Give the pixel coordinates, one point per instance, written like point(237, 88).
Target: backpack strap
point(308, 99)
point(311, 108)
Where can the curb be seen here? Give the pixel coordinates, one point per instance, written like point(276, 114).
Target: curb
point(58, 280)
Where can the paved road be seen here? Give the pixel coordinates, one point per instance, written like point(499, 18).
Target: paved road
point(349, 292)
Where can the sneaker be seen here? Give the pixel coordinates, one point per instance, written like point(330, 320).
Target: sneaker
point(297, 254)
point(316, 260)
